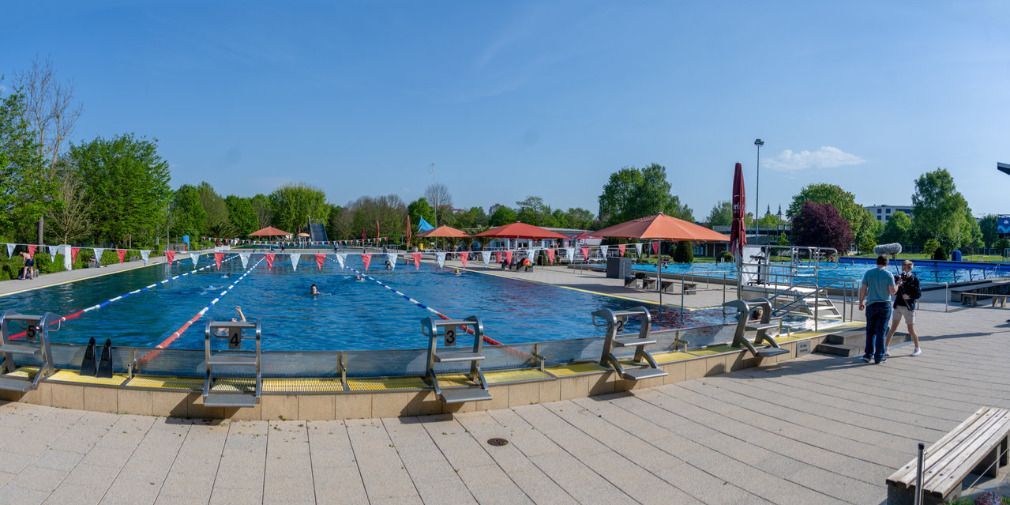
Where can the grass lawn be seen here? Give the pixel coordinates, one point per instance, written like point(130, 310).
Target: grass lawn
point(977, 258)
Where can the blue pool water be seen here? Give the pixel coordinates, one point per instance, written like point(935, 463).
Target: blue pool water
point(348, 315)
point(847, 271)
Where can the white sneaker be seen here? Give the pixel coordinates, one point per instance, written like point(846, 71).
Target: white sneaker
point(916, 352)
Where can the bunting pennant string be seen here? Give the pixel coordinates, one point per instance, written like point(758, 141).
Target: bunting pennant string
point(486, 257)
point(122, 254)
point(603, 250)
point(244, 258)
point(497, 256)
point(145, 254)
point(294, 261)
point(508, 257)
point(195, 256)
point(585, 253)
point(341, 258)
point(98, 254)
point(270, 260)
point(31, 250)
point(620, 250)
point(638, 249)
point(417, 260)
point(391, 258)
point(463, 257)
point(170, 255)
point(52, 253)
point(73, 254)
point(218, 258)
point(366, 258)
point(10, 250)
point(440, 258)
point(320, 259)
point(655, 248)
point(533, 254)
point(550, 256)
point(570, 254)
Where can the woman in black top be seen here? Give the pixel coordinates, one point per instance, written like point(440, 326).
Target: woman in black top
point(905, 301)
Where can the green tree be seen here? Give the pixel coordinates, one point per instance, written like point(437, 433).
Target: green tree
point(502, 215)
point(783, 239)
point(293, 205)
point(26, 192)
point(533, 210)
point(897, 230)
point(941, 212)
point(860, 221)
point(126, 181)
point(720, 215)
point(632, 193)
point(261, 206)
point(334, 227)
point(684, 252)
point(472, 218)
point(218, 224)
point(579, 218)
point(188, 216)
point(988, 225)
point(242, 215)
point(419, 209)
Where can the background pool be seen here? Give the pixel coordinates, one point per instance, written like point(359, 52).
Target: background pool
point(348, 315)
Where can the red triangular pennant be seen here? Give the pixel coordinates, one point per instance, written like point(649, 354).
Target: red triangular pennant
point(550, 255)
point(366, 258)
point(463, 257)
point(122, 254)
point(73, 254)
point(31, 250)
point(218, 258)
point(585, 253)
point(497, 257)
point(508, 257)
point(320, 259)
point(417, 260)
point(620, 249)
point(270, 260)
point(169, 255)
point(655, 248)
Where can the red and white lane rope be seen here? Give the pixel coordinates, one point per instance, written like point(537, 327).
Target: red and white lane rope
point(196, 317)
point(106, 303)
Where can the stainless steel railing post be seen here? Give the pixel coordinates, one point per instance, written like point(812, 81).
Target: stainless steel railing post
point(918, 473)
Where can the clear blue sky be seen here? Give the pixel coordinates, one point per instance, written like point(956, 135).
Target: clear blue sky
point(510, 99)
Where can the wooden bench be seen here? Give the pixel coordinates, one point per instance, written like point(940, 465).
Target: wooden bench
point(978, 445)
point(1001, 299)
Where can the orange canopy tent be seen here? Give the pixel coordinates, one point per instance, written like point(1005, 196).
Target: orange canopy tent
point(662, 227)
point(520, 230)
point(269, 231)
point(444, 232)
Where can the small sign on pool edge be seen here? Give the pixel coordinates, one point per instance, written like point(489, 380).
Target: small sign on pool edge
point(803, 347)
point(450, 335)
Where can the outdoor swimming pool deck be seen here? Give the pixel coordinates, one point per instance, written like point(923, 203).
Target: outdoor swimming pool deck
point(812, 430)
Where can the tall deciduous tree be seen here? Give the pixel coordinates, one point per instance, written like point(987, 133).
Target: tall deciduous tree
point(25, 191)
point(292, 206)
point(821, 225)
point(720, 215)
point(501, 215)
point(860, 221)
point(70, 216)
point(989, 226)
point(126, 181)
point(420, 209)
point(941, 212)
point(897, 230)
point(632, 193)
point(50, 107)
point(439, 198)
point(261, 205)
point(188, 216)
point(218, 224)
point(241, 215)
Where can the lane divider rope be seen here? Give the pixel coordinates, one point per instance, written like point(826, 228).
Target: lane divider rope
point(182, 329)
point(106, 303)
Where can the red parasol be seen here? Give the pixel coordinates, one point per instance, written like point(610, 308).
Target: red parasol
point(738, 227)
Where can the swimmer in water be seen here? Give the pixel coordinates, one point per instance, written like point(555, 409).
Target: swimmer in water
point(358, 277)
point(458, 272)
point(314, 290)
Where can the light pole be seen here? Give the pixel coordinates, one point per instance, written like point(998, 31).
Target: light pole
point(757, 190)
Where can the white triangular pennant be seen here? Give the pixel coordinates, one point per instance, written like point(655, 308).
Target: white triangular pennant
point(52, 252)
point(440, 258)
point(145, 254)
point(10, 250)
point(340, 259)
point(603, 250)
point(195, 256)
point(533, 254)
point(638, 249)
point(392, 260)
point(244, 258)
point(570, 254)
point(98, 254)
point(294, 260)
point(486, 256)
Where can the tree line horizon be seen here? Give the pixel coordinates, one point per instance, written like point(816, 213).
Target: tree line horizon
point(117, 191)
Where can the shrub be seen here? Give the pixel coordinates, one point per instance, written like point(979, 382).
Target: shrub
point(940, 254)
point(726, 257)
point(684, 252)
point(930, 246)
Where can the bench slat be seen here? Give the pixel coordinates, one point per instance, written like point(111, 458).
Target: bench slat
point(965, 461)
point(905, 476)
point(971, 435)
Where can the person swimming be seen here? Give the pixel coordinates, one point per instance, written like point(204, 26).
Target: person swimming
point(314, 290)
point(358, 277)
point(459, 272)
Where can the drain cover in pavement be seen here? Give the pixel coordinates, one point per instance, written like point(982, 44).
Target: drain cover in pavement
point(497, 442)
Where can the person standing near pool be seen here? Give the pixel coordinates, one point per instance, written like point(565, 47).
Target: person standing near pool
point(875, 297)
point(905, 304)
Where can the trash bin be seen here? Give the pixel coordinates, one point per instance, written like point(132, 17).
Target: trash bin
point(618, 268)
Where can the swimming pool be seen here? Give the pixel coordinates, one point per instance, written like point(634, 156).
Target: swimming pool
point(847, 272)
point(347, 315)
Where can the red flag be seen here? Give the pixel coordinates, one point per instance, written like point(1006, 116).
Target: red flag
point(366, 258)
point(320, 258)
point(417, 260)
point(463, 257)
point(508, 257)
point(655, 248)
point(218, 258)
point(550, 255)
point(270, 260)
point(585, 253)
point(621, 248)
point(73, 254)
point(497, 257)
point(122, 254)
point(169, 255)
point(31, 250)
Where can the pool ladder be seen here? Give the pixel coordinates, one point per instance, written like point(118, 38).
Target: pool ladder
point(233, 391)
point(642, 366)
point(476, 389)
point(768, 345)
point(33, 346)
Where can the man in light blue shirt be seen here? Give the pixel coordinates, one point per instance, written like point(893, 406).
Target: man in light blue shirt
point(875, 297)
